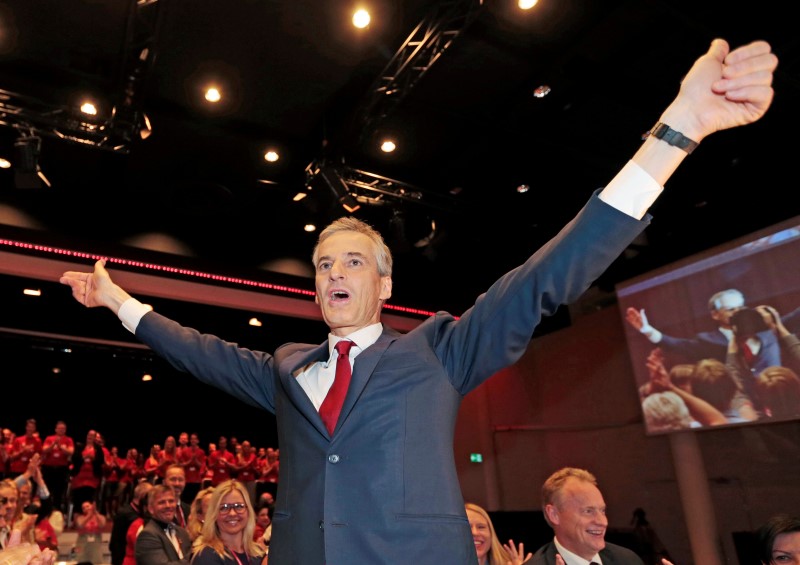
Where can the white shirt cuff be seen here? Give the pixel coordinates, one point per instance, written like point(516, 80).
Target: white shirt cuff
point(632, 191)
point(131, 312)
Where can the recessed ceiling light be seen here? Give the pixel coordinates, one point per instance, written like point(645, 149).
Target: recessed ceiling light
point(89, 108)
point(361, 18)
point(213, 94)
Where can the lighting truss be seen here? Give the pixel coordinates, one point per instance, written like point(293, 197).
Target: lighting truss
point(116, 131)
point(432, 36)
point(376, 190)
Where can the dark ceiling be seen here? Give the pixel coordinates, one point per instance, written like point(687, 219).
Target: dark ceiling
point(298, 77)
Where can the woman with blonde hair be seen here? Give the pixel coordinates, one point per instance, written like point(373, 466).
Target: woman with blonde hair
point(227, 534)
point(197, 514)
point(490, 550)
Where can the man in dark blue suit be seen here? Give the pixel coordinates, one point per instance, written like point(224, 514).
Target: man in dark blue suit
point(575, 509)
point(379, 484)
point(763, 346)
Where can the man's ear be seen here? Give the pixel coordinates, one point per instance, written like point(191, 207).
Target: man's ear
point(552, 513)
point(386, 288)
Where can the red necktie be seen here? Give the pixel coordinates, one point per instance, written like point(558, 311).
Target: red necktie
point(179, 516)
point(332, 404)
point(749, 356)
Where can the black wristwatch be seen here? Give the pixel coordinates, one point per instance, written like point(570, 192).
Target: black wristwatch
point(675, 138)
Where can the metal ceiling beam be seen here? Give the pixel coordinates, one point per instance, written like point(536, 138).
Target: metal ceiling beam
point(429, 40)
point(123, 125)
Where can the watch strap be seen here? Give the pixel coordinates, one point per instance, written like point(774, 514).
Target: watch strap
point(675, 138)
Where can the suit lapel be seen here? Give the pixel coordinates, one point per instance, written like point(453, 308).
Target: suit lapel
point(294, 365)
point(363, 367)
point(362, 371)
point(170, 549)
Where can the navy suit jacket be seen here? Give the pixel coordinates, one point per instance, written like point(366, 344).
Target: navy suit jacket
point(384, 486)
point(714, 345)
point(611, 555)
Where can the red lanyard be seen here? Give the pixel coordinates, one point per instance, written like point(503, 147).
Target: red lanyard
point(236, 556)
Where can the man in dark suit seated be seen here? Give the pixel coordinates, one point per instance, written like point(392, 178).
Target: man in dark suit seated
point(723, 306)
point(575, 509)
point(161, 542)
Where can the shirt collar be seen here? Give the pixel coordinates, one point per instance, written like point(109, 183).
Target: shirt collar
point(573, 559)
point(361, 339)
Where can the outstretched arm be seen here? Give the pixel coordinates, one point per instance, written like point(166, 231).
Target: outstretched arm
point(702, 411)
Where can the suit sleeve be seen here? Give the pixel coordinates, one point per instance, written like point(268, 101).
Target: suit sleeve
point(497, 330)
point(243, 373)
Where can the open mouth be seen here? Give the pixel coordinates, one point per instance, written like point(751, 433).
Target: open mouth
point(339, 295)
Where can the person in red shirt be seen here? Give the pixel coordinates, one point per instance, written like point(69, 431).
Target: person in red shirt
point(150, 466)
point(23, 448)
point(87, 470)
point(221, 463)
point(129, 475)
point(112, 485)
point(247, 468)
point(193, 459)
point(270, 471)
point(168, 456)
point(57, 452)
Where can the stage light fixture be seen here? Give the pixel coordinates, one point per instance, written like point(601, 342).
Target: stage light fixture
point(145, 128)
point(334, 181)
point(27, 173)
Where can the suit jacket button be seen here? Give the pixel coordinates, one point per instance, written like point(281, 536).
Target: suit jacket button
point(321, 525)
point(333, 458)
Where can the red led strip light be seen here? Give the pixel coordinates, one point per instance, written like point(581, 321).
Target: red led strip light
point(186, 272)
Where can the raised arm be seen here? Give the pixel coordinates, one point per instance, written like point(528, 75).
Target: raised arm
point(701, 411)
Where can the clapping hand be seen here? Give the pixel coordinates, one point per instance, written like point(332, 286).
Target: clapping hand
point(517, 554)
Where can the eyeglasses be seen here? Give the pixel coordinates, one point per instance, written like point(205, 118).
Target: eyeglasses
point(238, 507)
point(6, 500)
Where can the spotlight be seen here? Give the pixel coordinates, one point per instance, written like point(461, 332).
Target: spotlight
point(27, 173)
point(349, 203)
point(339, 188)
point(145, 128)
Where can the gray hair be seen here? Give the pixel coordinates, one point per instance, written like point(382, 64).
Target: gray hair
point(383, 256)
point(666, 411)
point(716, 300)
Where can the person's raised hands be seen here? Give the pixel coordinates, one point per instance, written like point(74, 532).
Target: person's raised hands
point(636, 318)
point(517, 553)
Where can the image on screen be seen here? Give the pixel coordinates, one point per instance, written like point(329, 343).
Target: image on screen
point(714, 340)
